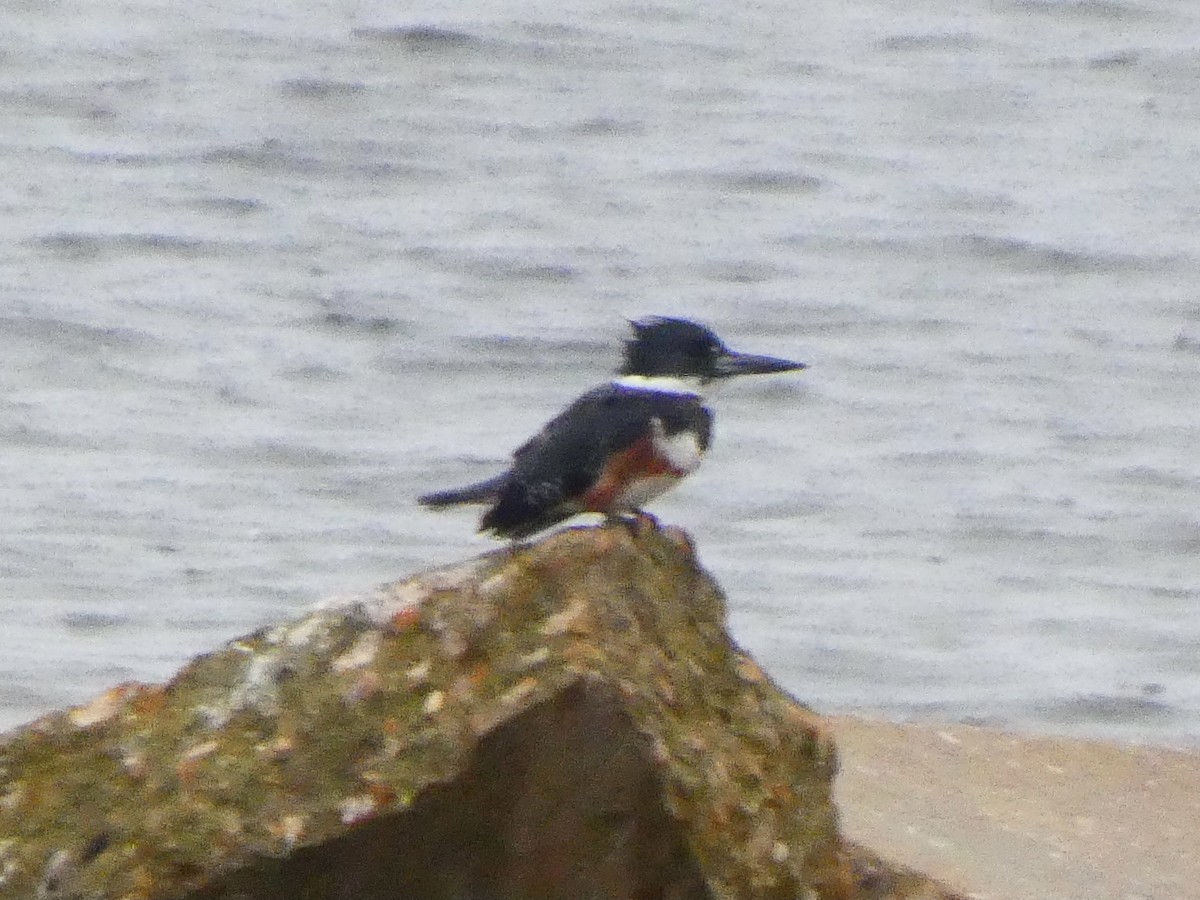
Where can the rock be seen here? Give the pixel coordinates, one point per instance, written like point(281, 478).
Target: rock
point(565, 720)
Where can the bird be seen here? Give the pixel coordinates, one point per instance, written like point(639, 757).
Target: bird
point(621, 444)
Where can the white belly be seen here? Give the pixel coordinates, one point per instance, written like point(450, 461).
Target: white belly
point(682, 454)
point(638, 493)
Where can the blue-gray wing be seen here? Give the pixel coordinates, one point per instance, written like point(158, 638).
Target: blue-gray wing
point(554, 469)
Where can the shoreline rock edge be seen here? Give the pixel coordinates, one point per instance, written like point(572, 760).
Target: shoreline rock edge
point(562, 719)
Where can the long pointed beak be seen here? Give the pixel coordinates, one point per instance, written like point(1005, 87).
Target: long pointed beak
point(732, 363)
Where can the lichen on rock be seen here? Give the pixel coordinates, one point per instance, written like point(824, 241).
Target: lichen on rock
point(559, 720)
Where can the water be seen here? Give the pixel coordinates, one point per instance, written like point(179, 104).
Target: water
point(265, 276)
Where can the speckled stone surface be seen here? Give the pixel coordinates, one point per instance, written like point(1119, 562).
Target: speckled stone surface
point(545, 720)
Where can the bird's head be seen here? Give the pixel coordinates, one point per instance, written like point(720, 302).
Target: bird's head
point(668, 348)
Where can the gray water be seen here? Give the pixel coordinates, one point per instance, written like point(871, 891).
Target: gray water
point(265, 276)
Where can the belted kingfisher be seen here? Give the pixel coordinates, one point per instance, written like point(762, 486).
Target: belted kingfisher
point(621, 444)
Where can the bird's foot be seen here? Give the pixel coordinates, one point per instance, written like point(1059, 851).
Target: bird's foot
point(637, 521)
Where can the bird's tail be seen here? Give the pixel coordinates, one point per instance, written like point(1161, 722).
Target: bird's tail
point(480, 492)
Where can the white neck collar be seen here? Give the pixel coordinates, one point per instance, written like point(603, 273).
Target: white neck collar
point(664, 384)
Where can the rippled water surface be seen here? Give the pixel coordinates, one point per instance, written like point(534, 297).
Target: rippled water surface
point(266, 276)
